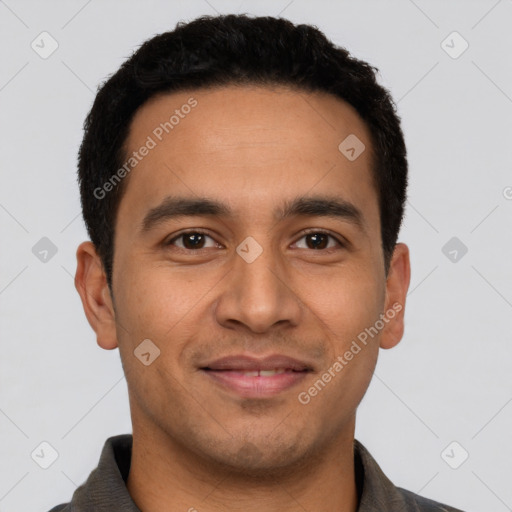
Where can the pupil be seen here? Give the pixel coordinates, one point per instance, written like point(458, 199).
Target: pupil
point(193, 236)
point(193, 240)
point(315, 237)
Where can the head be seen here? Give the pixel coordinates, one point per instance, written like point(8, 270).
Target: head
point(243, 184)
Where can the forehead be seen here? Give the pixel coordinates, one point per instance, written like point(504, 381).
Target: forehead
point(239, 115)
point(247, 146)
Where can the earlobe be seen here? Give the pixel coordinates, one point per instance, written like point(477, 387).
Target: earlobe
point(91, 284)
point(397, 284)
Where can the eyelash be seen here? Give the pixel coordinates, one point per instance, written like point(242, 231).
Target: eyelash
point(305, 233)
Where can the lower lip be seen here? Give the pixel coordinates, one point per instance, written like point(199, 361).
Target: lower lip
point(255, 387)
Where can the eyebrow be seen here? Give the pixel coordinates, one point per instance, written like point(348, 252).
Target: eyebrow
point(311, 206)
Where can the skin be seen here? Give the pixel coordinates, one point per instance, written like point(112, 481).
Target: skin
point(195, 444)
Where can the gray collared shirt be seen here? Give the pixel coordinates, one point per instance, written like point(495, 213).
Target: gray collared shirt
point(105, 489)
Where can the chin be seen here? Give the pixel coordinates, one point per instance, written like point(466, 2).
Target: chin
point(263, 460)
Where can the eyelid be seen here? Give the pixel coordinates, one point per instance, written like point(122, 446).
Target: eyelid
point(340, 240)
point(175, 237)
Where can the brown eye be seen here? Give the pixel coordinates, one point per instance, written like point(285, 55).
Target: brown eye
point(191, 240)
point(319, 240)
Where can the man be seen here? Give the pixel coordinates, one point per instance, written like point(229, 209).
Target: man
point(243, 185)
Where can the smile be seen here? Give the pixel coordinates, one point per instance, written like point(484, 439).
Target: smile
point(256, 383)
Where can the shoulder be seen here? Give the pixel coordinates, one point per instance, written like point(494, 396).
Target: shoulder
point(379, 493)
point(63, 507)
point(420, 504)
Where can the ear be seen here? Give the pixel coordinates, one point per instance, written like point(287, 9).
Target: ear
point(397, 284)
point(91, 284)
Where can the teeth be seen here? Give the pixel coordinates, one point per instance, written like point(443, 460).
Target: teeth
point(269, 373)
point(251, 374)
point(264, 373)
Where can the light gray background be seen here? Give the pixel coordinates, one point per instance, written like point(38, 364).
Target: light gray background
point(448, 380)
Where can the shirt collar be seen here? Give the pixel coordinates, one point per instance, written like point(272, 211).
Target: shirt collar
point(105, 489)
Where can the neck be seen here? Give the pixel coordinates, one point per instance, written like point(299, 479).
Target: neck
point(165, 476)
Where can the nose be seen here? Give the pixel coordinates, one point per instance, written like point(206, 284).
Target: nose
point(258, 294)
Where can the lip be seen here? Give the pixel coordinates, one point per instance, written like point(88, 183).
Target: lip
point(246, 363)
point(228, 372)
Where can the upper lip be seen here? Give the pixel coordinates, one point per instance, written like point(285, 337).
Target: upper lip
point(250, 363)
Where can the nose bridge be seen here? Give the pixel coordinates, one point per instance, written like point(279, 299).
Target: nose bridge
point(258, 294)
point(257, 274)
point(257, 268)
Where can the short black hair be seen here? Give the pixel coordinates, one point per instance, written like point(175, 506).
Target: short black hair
point(213, 51)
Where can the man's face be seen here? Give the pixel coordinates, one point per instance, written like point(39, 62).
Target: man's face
point(249, 284)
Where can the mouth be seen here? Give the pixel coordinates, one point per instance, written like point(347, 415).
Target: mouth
point(252, 377)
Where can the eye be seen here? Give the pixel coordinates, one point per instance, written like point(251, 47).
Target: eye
point(192, 240)
point(319, 240)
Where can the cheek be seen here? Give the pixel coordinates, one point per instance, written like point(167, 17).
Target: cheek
point(346, 314)
point(166, 307)
point(155, 306)
point(155, 300)
point(347, 301)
